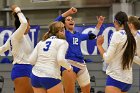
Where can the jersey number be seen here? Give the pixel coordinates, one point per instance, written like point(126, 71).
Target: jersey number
point(75, 41)
point(48, 43)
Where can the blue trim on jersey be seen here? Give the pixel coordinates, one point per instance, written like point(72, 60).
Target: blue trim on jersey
point(44, 82)
point(53, 37)
point(21, 70)
point(123, 32)
point(124, 87)
point(138, 32)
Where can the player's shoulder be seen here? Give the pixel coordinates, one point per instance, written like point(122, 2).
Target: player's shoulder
point(119, 33)
point(41, 42)
point(119, 36)
point(60, 40)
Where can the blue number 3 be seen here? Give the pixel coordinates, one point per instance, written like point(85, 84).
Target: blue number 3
point(48, 43)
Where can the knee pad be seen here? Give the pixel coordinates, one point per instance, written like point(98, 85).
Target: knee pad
point(83, 77)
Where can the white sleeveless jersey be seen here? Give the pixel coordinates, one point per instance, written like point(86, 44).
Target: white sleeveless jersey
point(48, 56)
point(18, 43)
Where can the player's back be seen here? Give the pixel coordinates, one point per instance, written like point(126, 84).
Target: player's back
point(47, 50)
point(47, 57)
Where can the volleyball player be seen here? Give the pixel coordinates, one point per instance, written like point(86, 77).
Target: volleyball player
point(119, 56)
point(21, 49)
point(47, 58)
point(74, 54)
point(134, 25)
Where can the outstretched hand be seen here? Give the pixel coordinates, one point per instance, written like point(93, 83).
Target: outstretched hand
point(73, 10)
point(69, 12)
point(100, 19)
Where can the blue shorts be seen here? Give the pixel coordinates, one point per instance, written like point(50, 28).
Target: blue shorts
point(44, 82)
point(75, 69)
point(124, 87)
point(21, 70)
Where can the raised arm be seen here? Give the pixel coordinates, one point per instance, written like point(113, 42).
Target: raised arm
point(100, 20)
point(67, 13)
point(18, 34)
point(61, 56)
point(92, 35)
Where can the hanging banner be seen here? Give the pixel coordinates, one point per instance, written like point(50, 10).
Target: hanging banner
point(5, 33)
point(89, 47)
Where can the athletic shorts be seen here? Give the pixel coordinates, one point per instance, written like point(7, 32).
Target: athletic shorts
point(75, 69)
point(124, 87)
point(82, 73)
point(21, 70)
point(44, 82)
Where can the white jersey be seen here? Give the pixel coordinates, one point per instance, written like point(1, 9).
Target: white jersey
point(113, 56)
point(48, 56)
point(137, 38)
point(18, 43)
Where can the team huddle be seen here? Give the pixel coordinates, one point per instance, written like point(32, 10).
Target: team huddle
point(56, 63)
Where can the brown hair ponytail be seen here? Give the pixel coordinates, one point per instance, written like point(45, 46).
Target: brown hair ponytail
point(130, 44)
